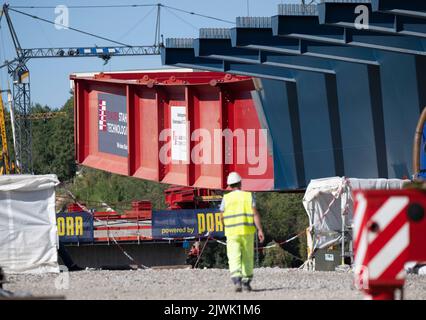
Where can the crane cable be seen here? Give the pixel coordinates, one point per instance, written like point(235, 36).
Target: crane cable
point(128, 6)
point(136, 24)
point(71, 28)
point(181, 19)
point(111, 6)
point(198, 14)
point(88, 6)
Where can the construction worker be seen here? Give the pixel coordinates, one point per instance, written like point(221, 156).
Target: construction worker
point(240, 219)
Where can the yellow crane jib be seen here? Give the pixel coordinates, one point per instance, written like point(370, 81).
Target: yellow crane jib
point(4, 155)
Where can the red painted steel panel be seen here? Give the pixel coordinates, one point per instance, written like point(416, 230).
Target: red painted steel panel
point(389, 231)
point(125, 122)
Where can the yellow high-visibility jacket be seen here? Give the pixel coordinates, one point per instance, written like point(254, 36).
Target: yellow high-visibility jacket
point(238, 216)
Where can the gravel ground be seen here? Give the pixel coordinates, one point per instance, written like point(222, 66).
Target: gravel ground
point(208, 284)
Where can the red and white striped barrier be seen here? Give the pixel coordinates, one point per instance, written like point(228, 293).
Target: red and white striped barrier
point(389, 231)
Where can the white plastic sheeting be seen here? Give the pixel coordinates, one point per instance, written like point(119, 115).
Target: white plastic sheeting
point(326, 200)
point(28, 234)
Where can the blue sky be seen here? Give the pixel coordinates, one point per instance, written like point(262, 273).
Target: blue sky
point(135, 26)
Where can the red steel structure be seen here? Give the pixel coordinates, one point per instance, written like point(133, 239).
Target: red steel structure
point(389, 231)
point(189, 198)
point(120, 117)
point(131, 225)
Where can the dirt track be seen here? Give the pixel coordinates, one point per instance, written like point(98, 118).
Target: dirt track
point(210, 284)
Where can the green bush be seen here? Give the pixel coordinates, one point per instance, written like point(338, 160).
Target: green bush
point(276, 257)
point(95, 186)
point(53, 142)
point(214, 256)
point(284, 216)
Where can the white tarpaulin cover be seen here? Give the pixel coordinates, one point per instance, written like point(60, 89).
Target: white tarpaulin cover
point(28, 235)
point(326, 199)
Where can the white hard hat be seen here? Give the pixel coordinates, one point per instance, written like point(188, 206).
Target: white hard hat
point(233, 178)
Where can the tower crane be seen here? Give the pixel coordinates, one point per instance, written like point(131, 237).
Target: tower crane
point(4, 153)
point(7, 166)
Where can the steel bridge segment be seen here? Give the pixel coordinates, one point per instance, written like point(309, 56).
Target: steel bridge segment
point(312, 112)
point(305, 25)
point(256, 33)
point(351, 14)
point(411, 8)
point(355, 83)
point(401, 82)
point(178, 52)
point(216, 44)
point(393, 79)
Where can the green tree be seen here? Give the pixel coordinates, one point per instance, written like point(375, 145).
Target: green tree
point(276, 257)
point(53, 152)
point(284, 216)
point(214, 256)
point(95, 186)
point(53, 142)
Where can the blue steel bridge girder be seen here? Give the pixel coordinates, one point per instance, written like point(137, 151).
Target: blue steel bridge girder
point(222, 49)
point(344, 14)
point(410, 8)
point(400, 81)
point(358, 88)
point(367, 114)
point(322, 125)
point(280, 101)
point(263, 39)
point(180, 52)
point(184, 57)
point(302, 139)
point(355, 85)
point(306, 26)
point(288, 158)
point(254, 33)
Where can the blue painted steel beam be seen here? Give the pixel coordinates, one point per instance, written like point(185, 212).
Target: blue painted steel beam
point(399, 82)
point(181, 52)
point(357, 86)
point(262, 38)
point(287, 175)
point(247, 35)
point(311, 137)
point(345, 14)
point(322, 114)
point(305, 25)
point(411, 8)
point(353, 82)
point(213, 46)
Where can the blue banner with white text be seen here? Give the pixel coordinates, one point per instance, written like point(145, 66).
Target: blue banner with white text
point(186, 223)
